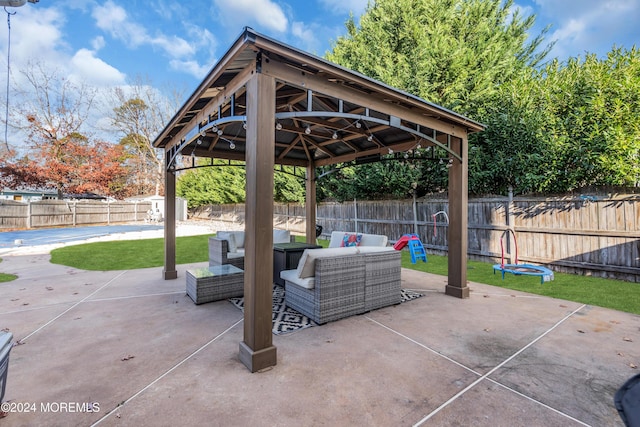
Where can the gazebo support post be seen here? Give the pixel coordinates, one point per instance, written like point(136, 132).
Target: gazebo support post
point(310, 203)
point(458, 218)
point(169, 271)
point(257, 351)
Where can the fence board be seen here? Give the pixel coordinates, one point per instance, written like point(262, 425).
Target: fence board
point(58, 213)
point(599, 237)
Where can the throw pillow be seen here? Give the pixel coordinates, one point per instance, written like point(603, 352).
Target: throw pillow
point(351, 240)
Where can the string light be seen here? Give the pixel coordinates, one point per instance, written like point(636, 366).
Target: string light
point(307, 130)
point(278, 126)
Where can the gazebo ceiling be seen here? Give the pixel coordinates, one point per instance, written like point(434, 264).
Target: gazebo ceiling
point(325, 114)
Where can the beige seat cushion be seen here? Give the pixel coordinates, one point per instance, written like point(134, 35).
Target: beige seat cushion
point(292, 277)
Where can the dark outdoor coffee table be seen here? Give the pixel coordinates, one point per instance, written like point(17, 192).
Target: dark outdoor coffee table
point(286, 257)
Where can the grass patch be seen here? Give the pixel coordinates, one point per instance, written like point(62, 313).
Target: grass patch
point(132, 254)
point(615, 294)
point(4, 277)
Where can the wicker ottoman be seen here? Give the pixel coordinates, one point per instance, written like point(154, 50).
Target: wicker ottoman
point(215, 283)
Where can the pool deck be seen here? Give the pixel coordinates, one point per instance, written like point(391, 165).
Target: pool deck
point(138, 346)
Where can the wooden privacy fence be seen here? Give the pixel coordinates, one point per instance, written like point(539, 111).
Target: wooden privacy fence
point(54, 213)
point(590, 236)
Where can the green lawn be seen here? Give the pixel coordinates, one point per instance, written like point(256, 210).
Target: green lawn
point(130, 254)
point(615, 294)
point(125, 255)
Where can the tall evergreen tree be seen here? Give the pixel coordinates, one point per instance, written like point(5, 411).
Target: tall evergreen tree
point(454, 53)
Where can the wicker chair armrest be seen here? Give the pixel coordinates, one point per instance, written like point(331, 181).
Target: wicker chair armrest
point(218, 249)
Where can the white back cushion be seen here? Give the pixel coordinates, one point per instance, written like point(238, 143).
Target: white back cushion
point(307, 264)
point(230, 238)
point(281, 236)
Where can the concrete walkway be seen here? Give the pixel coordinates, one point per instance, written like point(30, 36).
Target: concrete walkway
point(139, 349)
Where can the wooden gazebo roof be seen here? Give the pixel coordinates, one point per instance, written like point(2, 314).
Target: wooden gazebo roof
point(325, 114)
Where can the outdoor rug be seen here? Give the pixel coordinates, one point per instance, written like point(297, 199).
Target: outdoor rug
point(287, 320)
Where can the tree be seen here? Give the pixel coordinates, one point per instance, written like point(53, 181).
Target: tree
point(219, 184)
point(395, 178)
point(288, 187)
point(563, 127)
point(595, 131)
point(57, 153)
point(72, 166)
point(455, 53)
point(222, 183)
point(139, 113)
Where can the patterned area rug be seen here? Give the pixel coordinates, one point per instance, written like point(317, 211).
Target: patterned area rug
point(287, 320)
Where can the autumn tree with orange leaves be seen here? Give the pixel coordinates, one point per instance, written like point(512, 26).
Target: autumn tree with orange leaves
point(57, 154)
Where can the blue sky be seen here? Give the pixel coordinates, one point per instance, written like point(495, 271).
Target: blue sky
point(175, 43)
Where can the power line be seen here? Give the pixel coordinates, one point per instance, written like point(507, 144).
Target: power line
point(6, 114)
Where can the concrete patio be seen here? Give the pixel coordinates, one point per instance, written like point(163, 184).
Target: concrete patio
point(137, 346)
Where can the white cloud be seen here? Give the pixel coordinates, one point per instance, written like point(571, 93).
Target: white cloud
point(175, 47)
point(591, 25)
point(522, 11)
point(307, 36)
point(98, 43)
point(345, 6)
point(35, 34)
point(88, 68)
point(114, 20)
point(190, 67)
point(205, 45)
point(266, 13)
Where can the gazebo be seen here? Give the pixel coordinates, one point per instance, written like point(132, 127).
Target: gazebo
point(266, 103)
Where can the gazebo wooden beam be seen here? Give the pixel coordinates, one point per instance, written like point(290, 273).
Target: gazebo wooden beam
point(458, 234)
point(256, 350)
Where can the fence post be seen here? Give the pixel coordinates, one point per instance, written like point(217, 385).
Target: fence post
point(74, 212)
point(415, 212)
point(510, 225)
point(355, 214)
point(29, 214)
point(108, 213)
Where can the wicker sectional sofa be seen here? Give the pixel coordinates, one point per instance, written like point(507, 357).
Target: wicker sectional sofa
point(330, 284)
